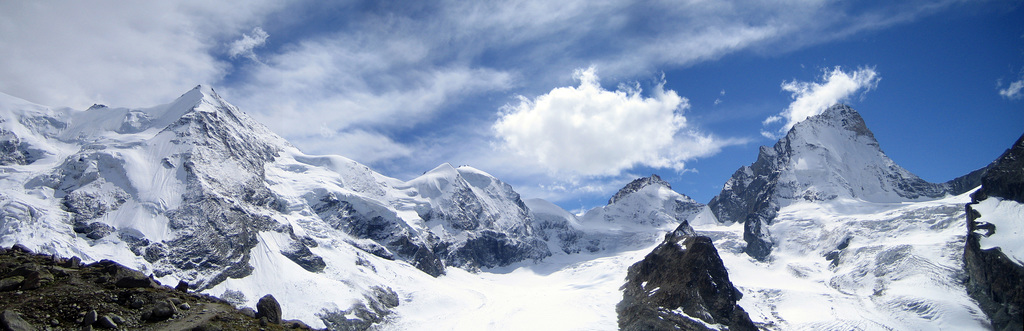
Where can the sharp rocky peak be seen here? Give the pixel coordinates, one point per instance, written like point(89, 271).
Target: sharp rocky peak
point(838, 116)
point(638, 184)
point(827, 156)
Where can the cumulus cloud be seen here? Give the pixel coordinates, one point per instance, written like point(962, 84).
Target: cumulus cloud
point(588, 130)
point(812, 98)
point(245, 45)
point(1014, 91)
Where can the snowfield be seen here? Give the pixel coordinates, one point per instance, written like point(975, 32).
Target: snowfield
point(566, 292)
point(1006, 216)
point(856, 265)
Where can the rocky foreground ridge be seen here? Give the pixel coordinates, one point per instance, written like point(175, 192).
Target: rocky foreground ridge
point(47, 292)
point(681, 285)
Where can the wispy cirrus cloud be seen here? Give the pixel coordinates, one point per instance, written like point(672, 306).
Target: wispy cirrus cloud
point(248, 42)
point(1014, 90)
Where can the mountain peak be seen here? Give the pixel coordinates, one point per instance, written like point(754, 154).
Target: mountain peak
point(638, 184)
point(825, 157)
point(838, 116)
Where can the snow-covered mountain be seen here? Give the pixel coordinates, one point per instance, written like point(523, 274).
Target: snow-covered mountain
point(196, 190)
point(828, 157)
point(638, 214)
point(826, 232)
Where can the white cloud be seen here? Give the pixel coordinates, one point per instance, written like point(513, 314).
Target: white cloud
point(1014, 90)
point(812, 98)
point(588, 130)
point(245, 45)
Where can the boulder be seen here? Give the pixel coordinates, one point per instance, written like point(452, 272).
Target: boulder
point(269, 308)
point(11, 320)
point(107, 322)
point(158, 311)
point(182, 286)
point(90, 318)
point(11, 283)
point(128, 278)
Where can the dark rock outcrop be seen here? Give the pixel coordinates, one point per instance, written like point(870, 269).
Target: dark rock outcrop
point(681, 285)
point(995, 280)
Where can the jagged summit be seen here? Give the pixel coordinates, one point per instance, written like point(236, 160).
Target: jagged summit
point(638, 184)
point(826, 157)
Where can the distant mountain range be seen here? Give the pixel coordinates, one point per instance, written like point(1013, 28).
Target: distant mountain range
point(196, 190)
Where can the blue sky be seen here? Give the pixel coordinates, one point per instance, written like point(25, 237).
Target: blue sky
point(566, 100)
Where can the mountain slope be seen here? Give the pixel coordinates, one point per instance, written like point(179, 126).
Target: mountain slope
point(638, 214)
point(827, 157)
point(196, 190)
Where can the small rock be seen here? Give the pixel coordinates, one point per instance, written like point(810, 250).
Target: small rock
point(32, 281)
point(136, 303)
point(11, 320)
point(127, 278)
point(184, 306)
point(207, 327)
point(106, 322)
point(73, 262)
point(90, 318)
point(158, 311)
point(269, 308)
point(295, 324)
point(20, 247)
point(175, 301)
point(117, 319)
point(248, 312)
point(182, 286)
point(11, 283)
point(54, 322)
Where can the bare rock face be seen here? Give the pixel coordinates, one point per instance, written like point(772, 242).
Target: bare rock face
point(994, 280)
point(682, 284)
